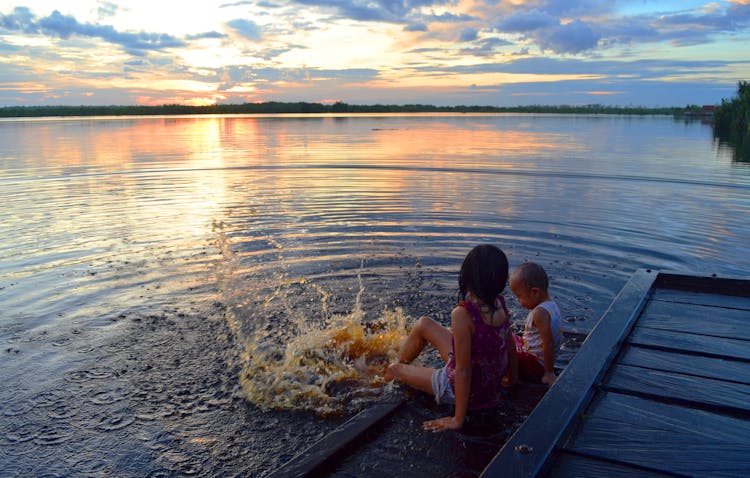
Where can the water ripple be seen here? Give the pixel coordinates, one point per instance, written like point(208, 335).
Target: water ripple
point(14, 433)
point(145, 263)
point(578, 175)
point(54, 434)
point(114, 420)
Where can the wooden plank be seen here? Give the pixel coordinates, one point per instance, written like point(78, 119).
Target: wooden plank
point(691, 343)
point(710, 284)
point(324, 449)
point(671, 439)
point(527, 450)
point(569, 465)
point(708, 393)
point(697, 365)
point(693, 297)
point(697, 319)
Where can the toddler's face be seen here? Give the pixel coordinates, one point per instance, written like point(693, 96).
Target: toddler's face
point(525, 294)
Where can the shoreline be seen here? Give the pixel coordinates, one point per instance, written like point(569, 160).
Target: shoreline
point(275, 108)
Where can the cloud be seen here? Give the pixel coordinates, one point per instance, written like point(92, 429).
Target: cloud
point(610, 71)
point(559, 26)
point(235, 4)
point(549, 33)
point(573, 37)
point(393, 11)
point(576, 8)
point(689, 27)
point(253, 3)
point(209, 35)
point(416, 27)
point(66, 26)
point(734, 18)
point(245, 28)
point(468, 34)
point(486, 47)
point(623, 92)
point(7, 48)
point(20, 20)
point(483, 32)
point(527, 22)
point(232, 76)
point(448, 18)
point(107, 9)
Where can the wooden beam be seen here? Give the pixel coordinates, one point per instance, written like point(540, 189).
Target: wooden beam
point(709, 284)
point(324, 449)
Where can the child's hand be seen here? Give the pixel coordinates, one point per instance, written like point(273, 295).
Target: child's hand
point(445, 423)
point(549, 378)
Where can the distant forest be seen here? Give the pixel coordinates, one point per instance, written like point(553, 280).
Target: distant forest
point(732, 122)
point(274, 107)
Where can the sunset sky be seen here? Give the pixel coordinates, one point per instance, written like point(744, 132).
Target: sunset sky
point(453, 52)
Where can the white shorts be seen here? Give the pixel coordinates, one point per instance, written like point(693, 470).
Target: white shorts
point(441, 387)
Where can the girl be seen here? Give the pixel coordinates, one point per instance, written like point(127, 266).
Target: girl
point(477, 352)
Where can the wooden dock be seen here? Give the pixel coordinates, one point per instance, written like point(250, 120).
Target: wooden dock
point(661, 387)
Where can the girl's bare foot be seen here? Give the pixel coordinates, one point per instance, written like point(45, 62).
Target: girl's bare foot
point(389, 372)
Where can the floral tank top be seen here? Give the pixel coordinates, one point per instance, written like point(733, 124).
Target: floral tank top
point(489, 358)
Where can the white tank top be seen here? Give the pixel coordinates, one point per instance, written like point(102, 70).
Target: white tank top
point(532, 341)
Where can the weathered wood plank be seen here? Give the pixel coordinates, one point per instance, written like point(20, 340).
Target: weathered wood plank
point(527, 450)
point(708, 284)
point(568, 465)
point(702, 392)
point(697, 365)
point(692, 297)
point(686, 342)
point(324, 449)
point(662, 437)
point(697, 319)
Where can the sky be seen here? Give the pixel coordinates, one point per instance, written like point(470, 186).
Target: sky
point(439, 52)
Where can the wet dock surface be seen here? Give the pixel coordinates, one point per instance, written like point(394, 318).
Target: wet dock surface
point(390, 437)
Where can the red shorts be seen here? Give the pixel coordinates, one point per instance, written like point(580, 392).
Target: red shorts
point(529, 367)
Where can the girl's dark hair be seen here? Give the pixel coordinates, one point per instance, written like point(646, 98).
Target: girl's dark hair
point(484, 272)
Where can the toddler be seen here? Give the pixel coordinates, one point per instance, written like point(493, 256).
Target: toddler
point(542, 333)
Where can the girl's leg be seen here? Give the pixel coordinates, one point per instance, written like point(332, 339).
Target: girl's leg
point(425, 330)
point(412, 375)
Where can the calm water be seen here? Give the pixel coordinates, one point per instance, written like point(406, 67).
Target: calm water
point(185, 295)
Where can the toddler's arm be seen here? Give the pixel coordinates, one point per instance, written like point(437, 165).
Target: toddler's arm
point(542, 321)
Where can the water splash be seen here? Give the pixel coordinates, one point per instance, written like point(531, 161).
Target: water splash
point(296, 355)
point(317, 371)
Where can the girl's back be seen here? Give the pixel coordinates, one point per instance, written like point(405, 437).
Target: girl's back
point(489, 358)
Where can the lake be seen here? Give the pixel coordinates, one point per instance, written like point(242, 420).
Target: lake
point(185, 295)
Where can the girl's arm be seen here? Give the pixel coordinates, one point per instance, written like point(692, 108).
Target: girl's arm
point(462, 333)
point(542, 321)
point(511, 373)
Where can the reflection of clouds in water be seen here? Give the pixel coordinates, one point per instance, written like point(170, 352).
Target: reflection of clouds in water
point(301, 198)
point(111, 225)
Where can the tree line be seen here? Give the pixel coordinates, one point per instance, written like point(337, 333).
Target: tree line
point(732, 122)
point(274, 107)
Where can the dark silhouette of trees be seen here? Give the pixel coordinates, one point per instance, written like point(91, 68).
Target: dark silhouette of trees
point(732, 122)
point(275, 107)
